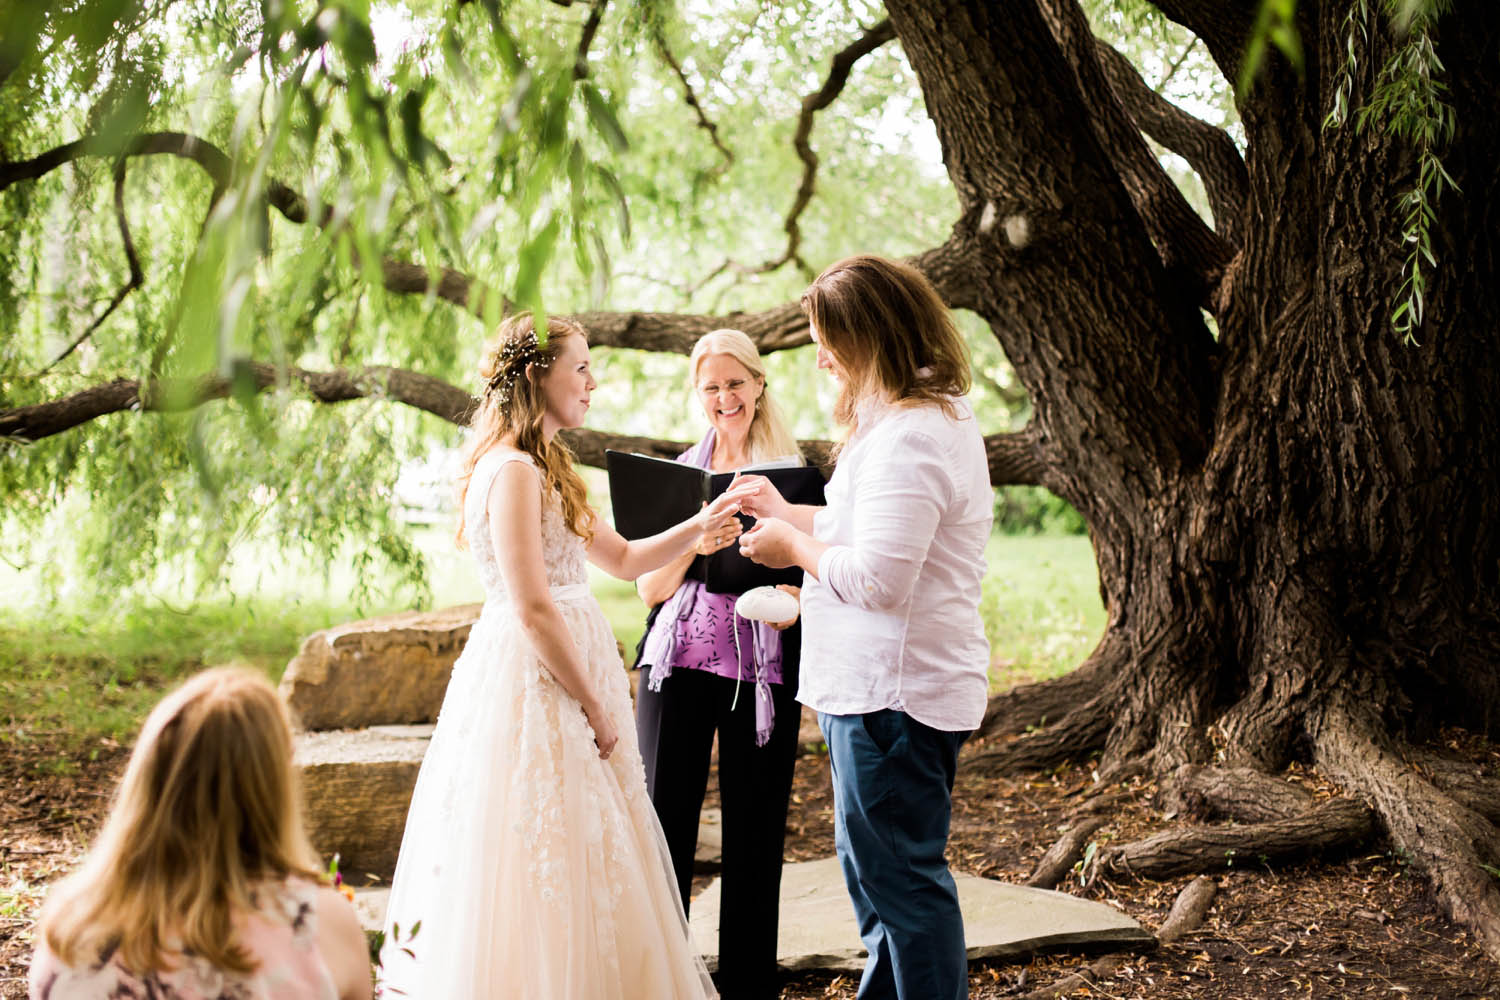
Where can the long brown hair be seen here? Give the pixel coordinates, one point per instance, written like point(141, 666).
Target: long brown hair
point(209, 808)
point(768, 438)
point(884, 323)
point(513, 366)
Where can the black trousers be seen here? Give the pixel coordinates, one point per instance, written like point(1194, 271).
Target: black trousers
point(676, 727)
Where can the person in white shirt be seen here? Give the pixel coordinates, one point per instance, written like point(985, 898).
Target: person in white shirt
point(894, 657)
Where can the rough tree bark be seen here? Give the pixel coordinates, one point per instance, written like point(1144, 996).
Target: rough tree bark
point(1292, 520)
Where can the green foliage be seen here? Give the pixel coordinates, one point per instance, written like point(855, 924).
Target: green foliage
point(452, 135)
point(1041, 607)
point(70, 679)
point(1275, 27)
point(73, 679)
point(1407, 102)
point(1033, 510)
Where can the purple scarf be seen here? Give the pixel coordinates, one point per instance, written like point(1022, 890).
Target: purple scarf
point(660, 648)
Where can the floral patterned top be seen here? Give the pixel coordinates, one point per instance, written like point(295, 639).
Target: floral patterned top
point(281, 934)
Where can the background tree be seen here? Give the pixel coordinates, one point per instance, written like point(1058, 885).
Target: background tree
point(1276, 425)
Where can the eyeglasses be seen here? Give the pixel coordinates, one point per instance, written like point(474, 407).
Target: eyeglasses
point(713, 388)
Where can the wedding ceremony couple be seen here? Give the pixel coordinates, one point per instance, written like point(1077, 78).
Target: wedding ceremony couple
point(549, 843)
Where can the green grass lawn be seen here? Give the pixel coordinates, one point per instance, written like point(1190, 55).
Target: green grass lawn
point(74, 680)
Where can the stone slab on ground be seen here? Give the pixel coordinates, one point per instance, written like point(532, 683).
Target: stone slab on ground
point(370, 903)
point(356, 785)
point(380, 671)
point(818, 930)
point(709, 857)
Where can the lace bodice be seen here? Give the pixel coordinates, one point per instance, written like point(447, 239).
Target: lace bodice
point(562, 551)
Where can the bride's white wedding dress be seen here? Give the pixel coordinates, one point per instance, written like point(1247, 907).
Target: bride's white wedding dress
point(536, 870)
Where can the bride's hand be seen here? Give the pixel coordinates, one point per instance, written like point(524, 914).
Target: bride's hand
point(723, 507)
point(605, 733)
point(718, 536)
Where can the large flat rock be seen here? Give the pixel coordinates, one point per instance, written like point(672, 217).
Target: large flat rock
point(818, 931)
point(379, 671)
point(356, 785)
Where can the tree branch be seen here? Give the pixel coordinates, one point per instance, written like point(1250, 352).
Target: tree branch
point(1046, 218)
point(26, 424)
point(1208, 150)
point(586, 38)
point(1186, 244)
point(1223, 25)
point(659, 39)
point(132, 261)
point(1016, 459)
point(838, 76)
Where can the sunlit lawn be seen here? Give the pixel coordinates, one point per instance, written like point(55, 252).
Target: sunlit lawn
point(73, 679)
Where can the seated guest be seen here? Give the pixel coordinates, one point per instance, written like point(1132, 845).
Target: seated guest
point(202, 883)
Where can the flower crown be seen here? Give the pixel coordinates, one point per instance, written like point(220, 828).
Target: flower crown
point(514, 356)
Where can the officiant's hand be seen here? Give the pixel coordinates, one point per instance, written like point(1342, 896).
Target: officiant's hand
point(795, 592)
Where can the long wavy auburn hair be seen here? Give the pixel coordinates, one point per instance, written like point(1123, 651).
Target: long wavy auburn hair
point(209, 808)
point(768, 437)
point(884, 323)
point(512, 406)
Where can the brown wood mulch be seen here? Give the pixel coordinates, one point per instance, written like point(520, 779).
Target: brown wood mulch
point(1357, 925)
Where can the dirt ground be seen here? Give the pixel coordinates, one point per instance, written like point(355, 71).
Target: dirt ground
point(1359, 925)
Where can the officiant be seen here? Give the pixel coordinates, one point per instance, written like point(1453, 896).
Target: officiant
point(710, 672)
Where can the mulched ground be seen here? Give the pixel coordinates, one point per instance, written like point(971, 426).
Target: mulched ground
point(1361, 925)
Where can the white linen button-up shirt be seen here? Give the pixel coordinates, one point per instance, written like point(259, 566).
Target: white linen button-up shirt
point(892, 621)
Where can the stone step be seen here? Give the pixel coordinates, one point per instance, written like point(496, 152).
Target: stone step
point(817, 928)
point(356, 785)
point(381, 671)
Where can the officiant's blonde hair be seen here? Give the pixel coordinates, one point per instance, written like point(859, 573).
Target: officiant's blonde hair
point(768, 437)
point(209, 809)
point(513, 366)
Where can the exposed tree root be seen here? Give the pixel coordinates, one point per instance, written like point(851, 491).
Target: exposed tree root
point(1076, 734)
point(1189, 909)
point(1034, 705)
point(1241, 794)
point(1059, 859)
point(1328, 826)
point(1457, 847)
point(1469, 785)
point(1186, 915)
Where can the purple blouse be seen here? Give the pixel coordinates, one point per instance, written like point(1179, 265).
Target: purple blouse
point(697, 630)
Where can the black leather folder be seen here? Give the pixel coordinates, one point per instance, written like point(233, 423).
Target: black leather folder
point(650, 495)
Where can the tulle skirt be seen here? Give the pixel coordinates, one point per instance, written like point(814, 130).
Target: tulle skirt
point(530, 868)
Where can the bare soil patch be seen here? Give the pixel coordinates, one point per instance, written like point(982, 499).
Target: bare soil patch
point(1359, 925)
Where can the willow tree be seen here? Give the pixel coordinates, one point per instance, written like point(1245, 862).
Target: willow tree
point(1277, 425)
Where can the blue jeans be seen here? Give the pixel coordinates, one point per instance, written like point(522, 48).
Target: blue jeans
point(893, 786)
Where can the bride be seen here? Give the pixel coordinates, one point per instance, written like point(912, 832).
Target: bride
point(533, 864)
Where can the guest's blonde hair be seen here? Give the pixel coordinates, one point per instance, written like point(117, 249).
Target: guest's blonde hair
point(768, 437)
point(890, 332)
point(513, 366)
point(209, 809)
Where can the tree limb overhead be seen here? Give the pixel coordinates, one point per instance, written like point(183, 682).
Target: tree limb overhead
point(1188, 247)
point(1224, 26)
point(1208, 150)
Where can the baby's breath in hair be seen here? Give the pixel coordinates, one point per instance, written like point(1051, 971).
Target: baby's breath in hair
point(511, 362)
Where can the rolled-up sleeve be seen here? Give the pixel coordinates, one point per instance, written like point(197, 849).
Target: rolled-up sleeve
point(898, 499)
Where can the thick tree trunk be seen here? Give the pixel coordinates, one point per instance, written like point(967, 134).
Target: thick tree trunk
point(1292, 521)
